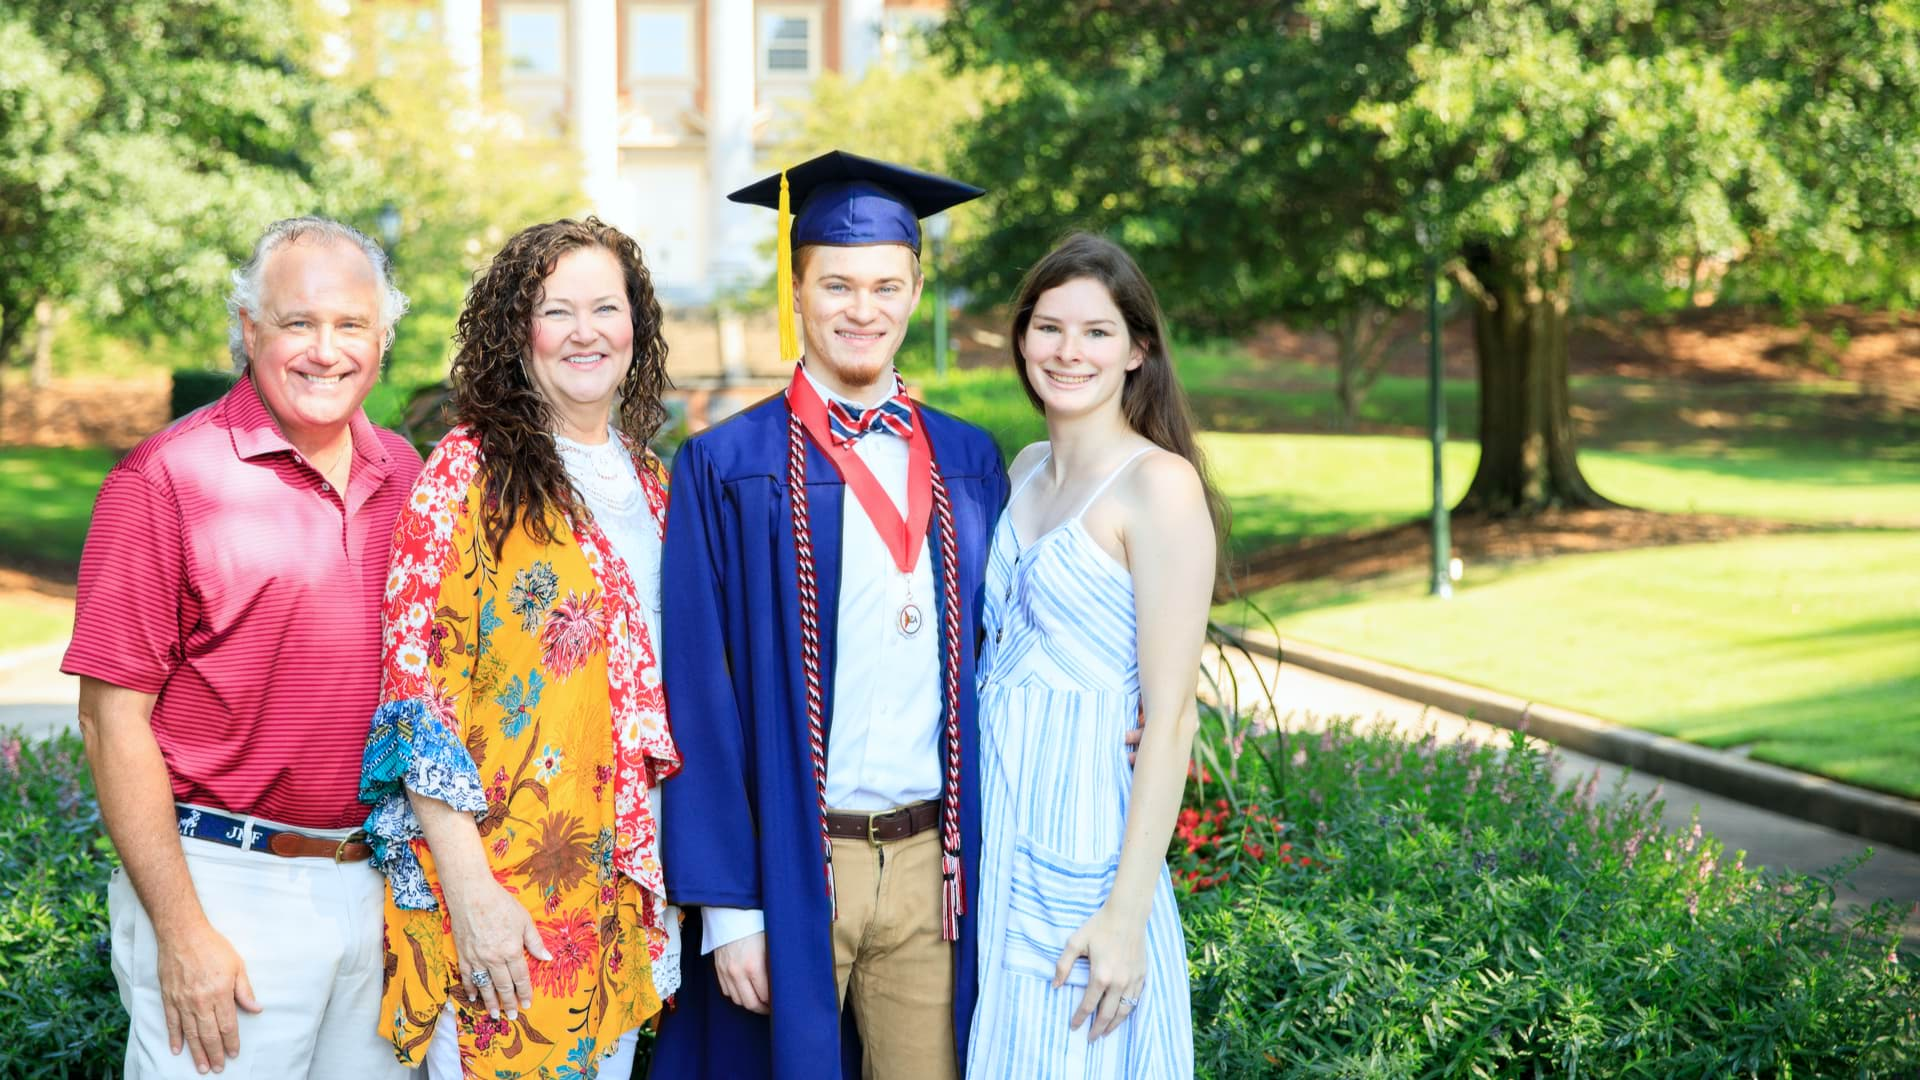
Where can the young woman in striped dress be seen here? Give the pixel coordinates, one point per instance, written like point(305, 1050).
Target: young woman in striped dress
point(1097, 592)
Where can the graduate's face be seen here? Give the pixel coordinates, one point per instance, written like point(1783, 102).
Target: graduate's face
point(1077, 349)
point(853, 303)
point(581, 343)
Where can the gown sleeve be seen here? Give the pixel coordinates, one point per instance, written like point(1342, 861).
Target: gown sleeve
point(434, 635)
point(709, 830)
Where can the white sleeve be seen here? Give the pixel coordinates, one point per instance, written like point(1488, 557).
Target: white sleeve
point(726, 925)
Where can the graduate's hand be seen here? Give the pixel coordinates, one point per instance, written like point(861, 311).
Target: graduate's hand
point(742, 968)
point(492, 933)
point(1133, 734)
point(1115, 945)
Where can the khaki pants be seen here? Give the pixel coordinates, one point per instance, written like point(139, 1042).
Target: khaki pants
point(309, 932)
point(888, 957)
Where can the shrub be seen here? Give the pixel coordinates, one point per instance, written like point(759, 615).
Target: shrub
point(1463, 916)
point(194, 387)
point(56, 986)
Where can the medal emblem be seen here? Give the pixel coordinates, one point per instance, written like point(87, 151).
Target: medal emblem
point(908, 622)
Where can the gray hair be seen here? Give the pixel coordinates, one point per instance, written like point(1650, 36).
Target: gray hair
point(248, 280)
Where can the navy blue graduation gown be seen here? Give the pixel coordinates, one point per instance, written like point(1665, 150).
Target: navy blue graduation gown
point(741, 823)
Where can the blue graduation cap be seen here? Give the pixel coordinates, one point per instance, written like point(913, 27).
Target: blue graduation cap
point(846, 200)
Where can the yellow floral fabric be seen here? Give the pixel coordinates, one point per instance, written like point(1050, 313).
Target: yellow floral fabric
point(499, 698)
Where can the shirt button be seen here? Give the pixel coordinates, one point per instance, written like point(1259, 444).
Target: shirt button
point(324, 486)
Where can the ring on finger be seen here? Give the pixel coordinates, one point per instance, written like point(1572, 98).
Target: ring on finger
point(480, 979)
point(1129, 1002)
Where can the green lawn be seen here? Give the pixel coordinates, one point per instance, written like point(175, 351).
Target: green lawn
point(48, 494)
point(1803, 649)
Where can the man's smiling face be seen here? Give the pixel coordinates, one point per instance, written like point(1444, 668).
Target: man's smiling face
point(314, 346)
point(854, 303)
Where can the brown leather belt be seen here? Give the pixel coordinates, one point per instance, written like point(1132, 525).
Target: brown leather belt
point(883, 825)
point(292, 846)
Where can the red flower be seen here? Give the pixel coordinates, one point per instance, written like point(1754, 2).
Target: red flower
point(574, 630)
point(572, 939)
point(486, 1029)
point(1256, 851)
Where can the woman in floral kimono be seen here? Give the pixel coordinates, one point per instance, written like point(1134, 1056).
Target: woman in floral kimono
point(514, 761)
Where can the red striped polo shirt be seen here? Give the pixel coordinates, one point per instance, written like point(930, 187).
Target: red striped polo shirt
point(224, 575)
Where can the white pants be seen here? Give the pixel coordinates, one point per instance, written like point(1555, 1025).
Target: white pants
point(309, 933)
point(443, 1053)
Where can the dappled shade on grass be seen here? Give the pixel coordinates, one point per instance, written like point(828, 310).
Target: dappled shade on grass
point(48, 494)
point(1802, 650)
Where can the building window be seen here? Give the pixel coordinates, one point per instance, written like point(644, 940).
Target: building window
point(399, 37)
point(660, 43)
point(789, 43)
point(534, 37)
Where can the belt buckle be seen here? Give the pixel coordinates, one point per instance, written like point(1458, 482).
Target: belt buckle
point(872, 818)
point(340, 849)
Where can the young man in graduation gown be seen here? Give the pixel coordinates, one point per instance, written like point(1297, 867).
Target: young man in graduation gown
point(824, 556)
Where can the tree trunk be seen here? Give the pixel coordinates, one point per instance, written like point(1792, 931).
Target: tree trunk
point(42, 343)
point(1348, 388)
point(1360, 334)
point(1527, 461)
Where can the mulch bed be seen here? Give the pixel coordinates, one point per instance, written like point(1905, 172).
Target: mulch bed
point(115, 413)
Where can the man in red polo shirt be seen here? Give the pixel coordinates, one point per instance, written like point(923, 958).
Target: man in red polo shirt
point(228, 642)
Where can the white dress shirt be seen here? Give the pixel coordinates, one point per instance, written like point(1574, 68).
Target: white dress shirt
point(884, 739)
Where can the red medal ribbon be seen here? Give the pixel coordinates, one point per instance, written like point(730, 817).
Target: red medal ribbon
point(903, 537)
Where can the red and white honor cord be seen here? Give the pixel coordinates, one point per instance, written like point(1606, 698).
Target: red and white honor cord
point(810, 637)
point(953, 887)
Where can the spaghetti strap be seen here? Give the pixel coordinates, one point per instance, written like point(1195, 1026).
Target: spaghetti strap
point(1031, 473)
point(1111, 477)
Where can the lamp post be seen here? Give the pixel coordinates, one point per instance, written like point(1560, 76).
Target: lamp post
point(387, 220)
point(1425, 233)
point(937, 228)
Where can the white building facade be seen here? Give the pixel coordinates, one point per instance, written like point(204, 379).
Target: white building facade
point(670, 103)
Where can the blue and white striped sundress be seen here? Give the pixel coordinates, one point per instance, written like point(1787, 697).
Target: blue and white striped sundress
point(1059, 689)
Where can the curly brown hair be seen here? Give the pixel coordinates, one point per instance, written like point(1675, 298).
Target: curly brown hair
point(521, 475)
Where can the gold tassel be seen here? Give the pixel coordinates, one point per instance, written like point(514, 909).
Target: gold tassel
point(783, 276)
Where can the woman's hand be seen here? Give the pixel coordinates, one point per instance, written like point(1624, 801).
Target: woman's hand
point(492, 934)
point(1115, 945)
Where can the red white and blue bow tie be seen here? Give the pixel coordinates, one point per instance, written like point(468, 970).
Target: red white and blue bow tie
point(849, 423)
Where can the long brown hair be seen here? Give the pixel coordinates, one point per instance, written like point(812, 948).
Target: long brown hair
point(522, 478)
point(1151, 398)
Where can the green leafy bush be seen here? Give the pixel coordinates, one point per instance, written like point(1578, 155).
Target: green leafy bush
point(56, 988)
point(1459, 915)
point(194, 387)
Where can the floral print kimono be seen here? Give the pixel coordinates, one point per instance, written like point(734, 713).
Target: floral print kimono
point(525, 690)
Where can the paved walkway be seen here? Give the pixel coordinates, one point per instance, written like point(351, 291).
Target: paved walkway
point(36, 699)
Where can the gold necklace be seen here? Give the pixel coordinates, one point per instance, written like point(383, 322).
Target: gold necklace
point(326, 474)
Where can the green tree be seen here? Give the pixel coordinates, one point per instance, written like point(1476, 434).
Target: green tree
point(1245, 151)
point(144, 145)
point(141, 142)
point(462, 173)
